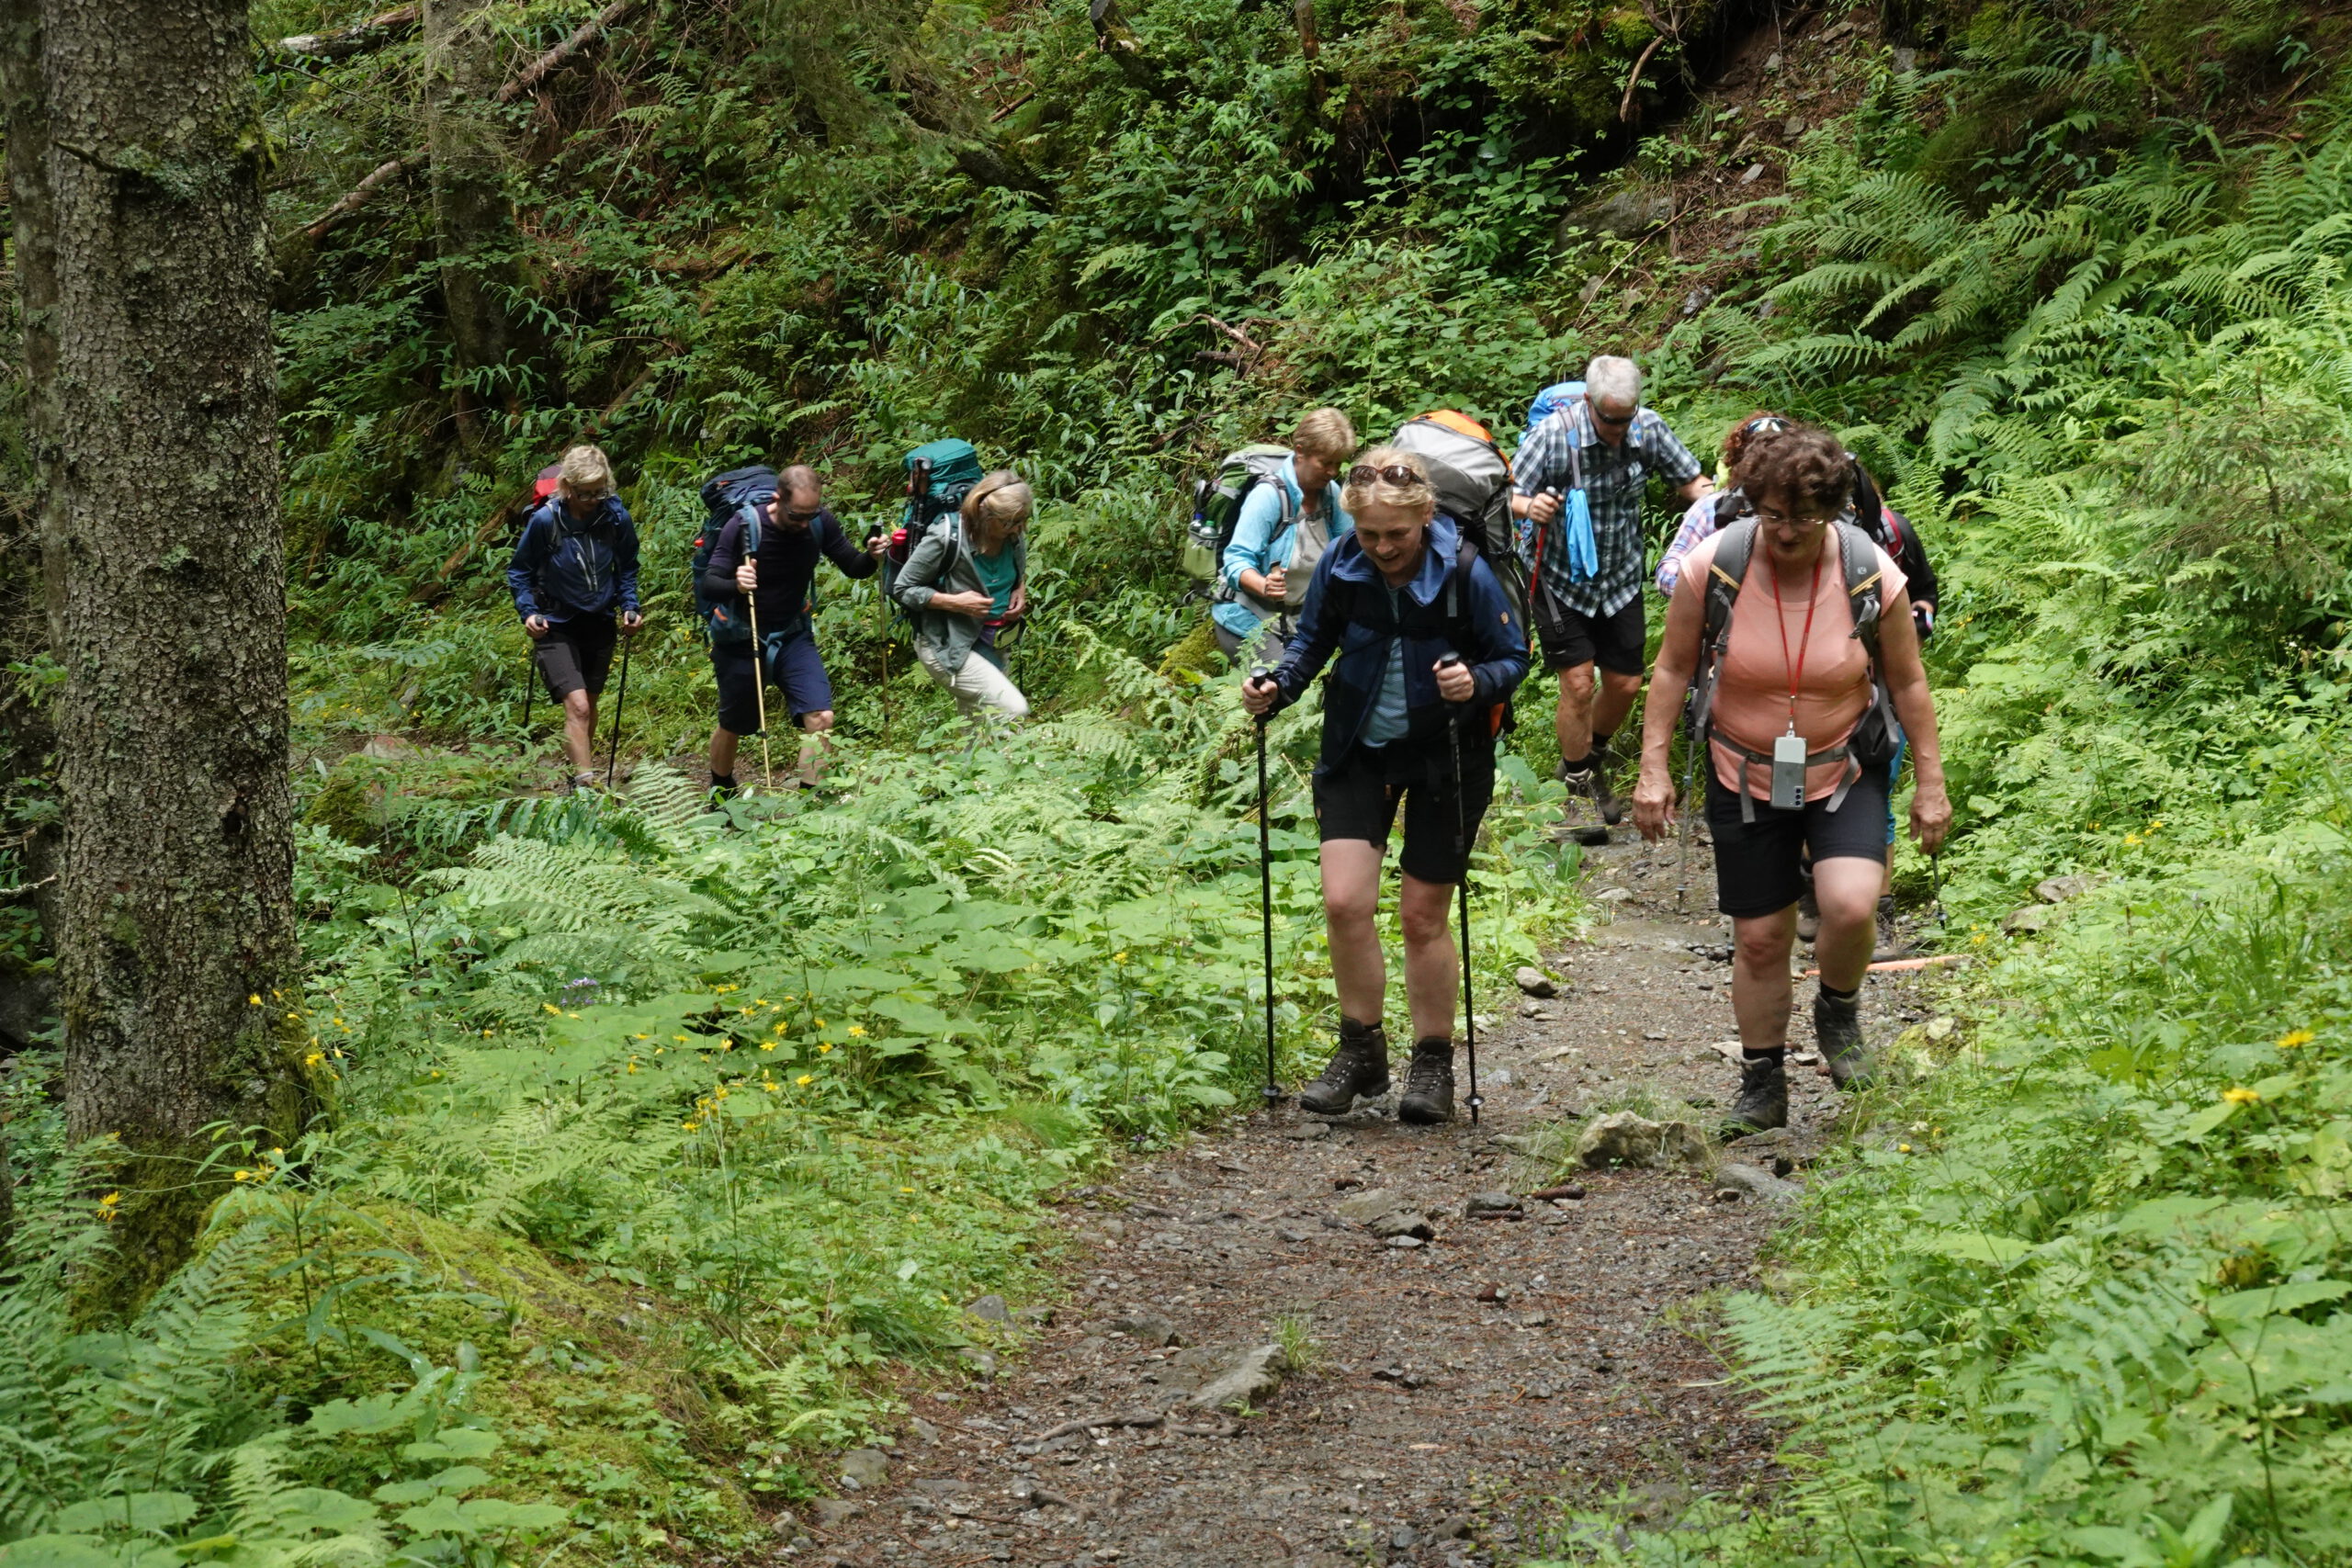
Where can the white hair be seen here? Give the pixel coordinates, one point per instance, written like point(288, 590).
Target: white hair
point(1612, 378)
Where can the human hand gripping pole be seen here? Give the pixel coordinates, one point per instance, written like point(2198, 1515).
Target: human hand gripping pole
point(1461, 852)
point(1266, 888)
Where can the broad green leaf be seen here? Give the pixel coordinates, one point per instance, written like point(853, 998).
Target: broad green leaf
point(138, 1511)
point(2244, 1306)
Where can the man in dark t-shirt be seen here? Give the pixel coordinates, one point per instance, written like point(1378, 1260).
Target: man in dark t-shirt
point(794, 529)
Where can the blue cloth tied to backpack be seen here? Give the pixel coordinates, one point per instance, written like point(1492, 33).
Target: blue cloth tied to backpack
point(1576, 532)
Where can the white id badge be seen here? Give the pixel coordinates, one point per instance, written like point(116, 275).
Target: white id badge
point(1788, 772)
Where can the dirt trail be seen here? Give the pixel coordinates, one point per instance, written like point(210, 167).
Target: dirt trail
point(1456, 1391)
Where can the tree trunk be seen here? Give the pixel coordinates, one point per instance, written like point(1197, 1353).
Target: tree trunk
point(498, 354)
point(176, 953)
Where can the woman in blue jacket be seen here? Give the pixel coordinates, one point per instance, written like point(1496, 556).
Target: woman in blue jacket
point(575, 563)
point(1428, 649)
point(1281, 532)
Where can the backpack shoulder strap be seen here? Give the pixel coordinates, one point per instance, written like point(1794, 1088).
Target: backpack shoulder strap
point(1865, 584)
point(1724, 574)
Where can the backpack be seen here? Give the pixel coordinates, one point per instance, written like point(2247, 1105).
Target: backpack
point(1549, 402)
point(1473, 483)
point(1876, 734)
point(940, 474)
point(724, 622)
point(545, 485)
point(1216, 507)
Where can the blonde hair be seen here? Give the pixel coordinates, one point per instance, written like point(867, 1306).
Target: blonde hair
point(1325, 434)
point(997, 507)
point(586, 474)
point(1417, 496)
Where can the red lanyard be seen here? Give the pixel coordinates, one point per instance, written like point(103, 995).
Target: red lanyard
point(1795, 667)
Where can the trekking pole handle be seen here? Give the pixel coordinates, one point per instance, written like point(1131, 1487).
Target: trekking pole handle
point(1259, 675)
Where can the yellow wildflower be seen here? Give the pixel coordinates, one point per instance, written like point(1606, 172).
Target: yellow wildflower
point(1903, 1148)
point(825, 1047)
point(241, 1176)
point(314, 1058)
point(1120, 956)
point(107, 1205)
point(2295, 1037)
point(821, 1023)
point(906, 1189)
point(804, 1080)
point(254, 1000)
point(767, 1044)
point(550, 1007)
point(857, 1032)
point(2241, 1097)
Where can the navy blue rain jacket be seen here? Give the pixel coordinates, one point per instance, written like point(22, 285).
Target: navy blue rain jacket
point(1346, 613)
point(563, 568)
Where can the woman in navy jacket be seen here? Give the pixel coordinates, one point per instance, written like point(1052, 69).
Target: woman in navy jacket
point(1428, 652)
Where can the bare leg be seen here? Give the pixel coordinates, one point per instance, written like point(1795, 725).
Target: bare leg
point(1572, 721)
point(1760, 993)
point(579, 730)
point(817, 750)
point(1845, 889)
point(1615, 701)
point(722, 752)
point(1350, 903)
point(1431, 973)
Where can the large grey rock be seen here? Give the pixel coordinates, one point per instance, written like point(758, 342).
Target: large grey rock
point(2030, 918)
point(1534, 982)
point(1402, 1222)
point(988, 1309)
point(1486, 1203)
point(1758, 1182)
point(2058, 889)
point(1363, 1208)
point(864, 1469)
point(1626, 1137)
point(1252, 1374)
point(831, 1513)
point(1148, 1329)
point(1632, 211)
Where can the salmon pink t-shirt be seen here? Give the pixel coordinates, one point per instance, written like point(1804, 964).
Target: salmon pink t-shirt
point(1752, 695)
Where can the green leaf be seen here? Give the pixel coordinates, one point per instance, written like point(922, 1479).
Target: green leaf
point(60, 1551)
point(1973, 1247)
point(2245, 1307)
point(139, 1511)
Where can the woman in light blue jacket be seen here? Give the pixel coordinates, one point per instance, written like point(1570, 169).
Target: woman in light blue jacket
point(1281, 532)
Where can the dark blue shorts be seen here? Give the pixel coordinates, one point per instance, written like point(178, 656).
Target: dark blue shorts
point(793, 668)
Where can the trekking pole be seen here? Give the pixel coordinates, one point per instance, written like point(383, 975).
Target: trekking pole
point(760, 691)
point(1936, 871)
point(1689, 828)
point(531, 680)
point(1462, 851)
point(1266, 895)
point(620, 701)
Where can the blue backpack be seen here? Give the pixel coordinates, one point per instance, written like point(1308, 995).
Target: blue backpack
point(743, 491)
point(1549, 402)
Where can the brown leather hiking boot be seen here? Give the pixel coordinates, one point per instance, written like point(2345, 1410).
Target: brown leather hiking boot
point(1358, 1068)
point(1837, 1030)
point(1763, 1102)
point(1428, 1083)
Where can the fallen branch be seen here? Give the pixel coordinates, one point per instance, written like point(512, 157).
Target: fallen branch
point(1892, 965)
point(383, 28)
point(1625, 104)
point(359, 194)
point(1088, 1423)
point(562, 54)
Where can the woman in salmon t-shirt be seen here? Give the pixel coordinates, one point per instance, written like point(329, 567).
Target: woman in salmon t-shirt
point(1794, 666)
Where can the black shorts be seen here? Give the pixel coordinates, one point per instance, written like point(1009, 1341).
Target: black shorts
point(1570, 637)
point(576, 654)
point(1756, 862)
point(1357, 799)
point(793, 668)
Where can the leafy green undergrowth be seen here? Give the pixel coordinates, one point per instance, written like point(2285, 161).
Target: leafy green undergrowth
point(665, 1138)
point(2082, 1296)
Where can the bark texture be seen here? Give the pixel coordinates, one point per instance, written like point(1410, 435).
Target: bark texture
point(497, 352)
point(173, 716)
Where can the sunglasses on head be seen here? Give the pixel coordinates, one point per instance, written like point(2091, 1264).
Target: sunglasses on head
point(1388, 473)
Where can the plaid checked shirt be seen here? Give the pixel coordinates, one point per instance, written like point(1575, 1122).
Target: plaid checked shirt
point(1613, 478)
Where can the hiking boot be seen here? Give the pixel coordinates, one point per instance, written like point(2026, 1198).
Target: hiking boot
point(1763, 1102)
point(1585, 790)
point(1887, 946)
point(1358, 1068)
point(583, 784)
point(722, 790)
point(1808, 914)
point(1428, 1083)
point(1838, 1033)
point(1611, 807)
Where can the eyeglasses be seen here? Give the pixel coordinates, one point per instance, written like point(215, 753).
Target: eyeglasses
point(1796, 519)
point(1387, 473)
point(1600, 418)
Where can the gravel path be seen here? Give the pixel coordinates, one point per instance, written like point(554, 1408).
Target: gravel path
point(1455, 1394)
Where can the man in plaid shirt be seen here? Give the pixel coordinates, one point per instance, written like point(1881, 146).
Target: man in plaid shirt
point(1611, 444)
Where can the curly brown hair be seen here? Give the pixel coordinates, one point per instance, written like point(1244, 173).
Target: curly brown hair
point(1763, 422)
point(1801, 466)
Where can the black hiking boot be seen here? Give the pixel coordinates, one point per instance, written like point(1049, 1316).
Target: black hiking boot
point(1428, 1083)
point(1888, 946)
point(1763, 1102)
point(722, 790)
point(1838, 1031)
point(1358, 1067)
point(1587, 794)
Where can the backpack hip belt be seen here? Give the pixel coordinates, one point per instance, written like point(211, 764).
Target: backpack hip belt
point(1841, 752)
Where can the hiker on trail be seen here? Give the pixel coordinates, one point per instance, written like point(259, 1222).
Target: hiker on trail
point(575, 562)
point(1894, 533)
point(963, 584)
point(1429, 649)
point(1281, 533)
point(796, 527)
point(1586, 597)
point(1785, 619)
